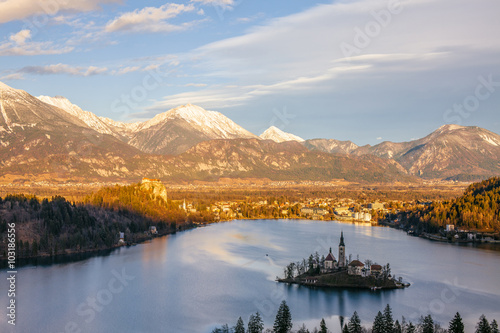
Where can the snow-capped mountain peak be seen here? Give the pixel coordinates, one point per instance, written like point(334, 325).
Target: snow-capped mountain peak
point(277, 135)
point(87, 117)
point(449, 128)
point(3, 86)
point(213, 124)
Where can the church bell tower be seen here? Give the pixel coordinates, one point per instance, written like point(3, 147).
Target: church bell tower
point(342, 250)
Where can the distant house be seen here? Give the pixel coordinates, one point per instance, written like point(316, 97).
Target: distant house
point(122, 238)
point(330, 261)
point(313, 211)
point(355, 267)
point(342, 210)
point(152, 230)
point(376, 270)
point(376, 206)
point(450, 227)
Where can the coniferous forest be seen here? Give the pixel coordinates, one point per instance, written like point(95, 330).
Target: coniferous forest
point(478, 209)
point(383, 322)
point(57, 226)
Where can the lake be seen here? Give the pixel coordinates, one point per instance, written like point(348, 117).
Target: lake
point(197, 279)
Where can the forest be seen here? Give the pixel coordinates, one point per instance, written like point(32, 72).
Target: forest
point(46, 227)
point(383, 323)
point(477, 209)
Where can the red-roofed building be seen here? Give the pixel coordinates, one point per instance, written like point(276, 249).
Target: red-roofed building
point(355, 267)
point(376, 270)
point(330, 261)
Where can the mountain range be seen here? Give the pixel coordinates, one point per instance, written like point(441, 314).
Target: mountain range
point(50, 138)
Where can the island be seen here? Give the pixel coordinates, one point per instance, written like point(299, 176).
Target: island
point(328, 272)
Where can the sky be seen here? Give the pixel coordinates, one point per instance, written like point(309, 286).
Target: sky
point(364, 70)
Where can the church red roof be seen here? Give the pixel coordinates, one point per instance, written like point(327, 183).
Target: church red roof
point(330, 257)
point(356, 263)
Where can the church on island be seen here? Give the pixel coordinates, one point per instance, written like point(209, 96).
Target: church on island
point(354, 267)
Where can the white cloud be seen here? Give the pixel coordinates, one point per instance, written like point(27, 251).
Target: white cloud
point(379, 138)
point(216, 2)
point(126, 70)
point(302, 52)
point(19, 45)
point(13, 76)
point(12, 10)
point(63, 69)
point(197, 85)
point(21, 37)
point(151, 19)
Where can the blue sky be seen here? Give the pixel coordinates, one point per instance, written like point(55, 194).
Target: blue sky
point(366, 70)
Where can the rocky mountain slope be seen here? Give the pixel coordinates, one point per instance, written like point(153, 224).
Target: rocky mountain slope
point(290, 160)
point(179, 129)
point(53, 139)
point(452, 151)
point(331, 146)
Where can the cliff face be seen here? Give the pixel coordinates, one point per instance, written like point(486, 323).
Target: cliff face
point(156, 186)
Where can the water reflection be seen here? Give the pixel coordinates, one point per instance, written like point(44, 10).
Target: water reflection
point(194, 280)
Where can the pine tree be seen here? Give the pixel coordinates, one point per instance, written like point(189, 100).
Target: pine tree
point(345, 329)
point(355, 323)
point(283, 321)
point(388, 321)
point(397, 327)
point(428, 325)
point(456, 325)
point(255, 324)
point(322, 326)
point(483, 326)
point(411, 328)
point(240, 326)
point(494, 327)
point(303, 329)
point(378, 323)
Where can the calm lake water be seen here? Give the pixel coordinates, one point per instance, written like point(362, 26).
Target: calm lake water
point(195, 280)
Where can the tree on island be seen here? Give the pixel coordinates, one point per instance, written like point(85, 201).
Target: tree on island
point(240, 326)
point(355, 324)
point(283, 321)
point(456, 325)
point(255, 324)
point(322, 326)
point(483, 326)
